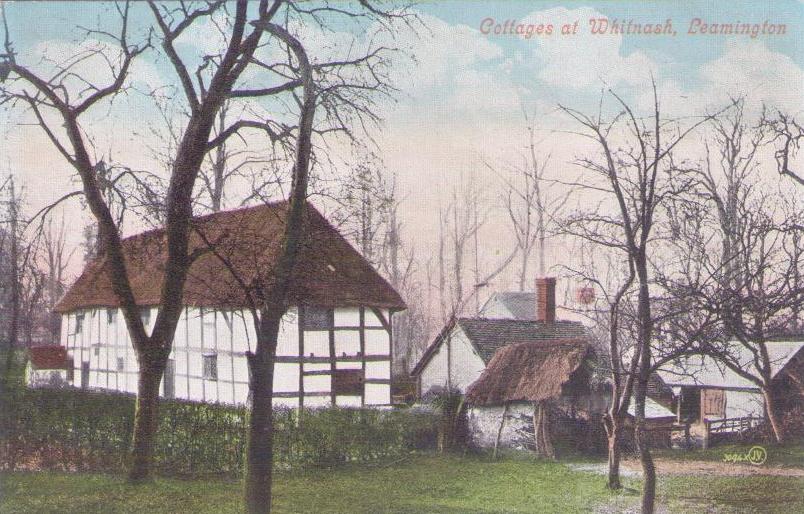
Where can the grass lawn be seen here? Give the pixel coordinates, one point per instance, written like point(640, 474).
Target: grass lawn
point(424, 484)
point(789, 455)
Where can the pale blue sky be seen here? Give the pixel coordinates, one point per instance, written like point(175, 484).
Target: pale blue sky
point(461, 103)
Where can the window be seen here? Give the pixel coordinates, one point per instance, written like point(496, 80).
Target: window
point(121, 364)
point(79, 323)
point(347, 381)
point(210, 371)
point(145, 316)
point(97, 351)
point(317, 318)
point(111, 316)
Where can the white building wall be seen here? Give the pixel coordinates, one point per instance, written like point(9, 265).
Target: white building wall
point(741, 404)
point(228, 335)
point(465, 365)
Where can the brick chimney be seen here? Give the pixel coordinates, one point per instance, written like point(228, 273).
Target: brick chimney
point(546, 299)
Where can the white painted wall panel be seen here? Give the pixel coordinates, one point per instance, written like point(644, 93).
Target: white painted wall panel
point(377, 342)
point(196, 389)
point(288, 341)
point(378, 394)
point(194, 327)
point(317, 383)
point(372, 320)
point(240, 339)
point(347, 317)
point(286, 377)
point(240, 368)
point(347, 342)
point(241, 393)
point(380, 369)
point(316, 343)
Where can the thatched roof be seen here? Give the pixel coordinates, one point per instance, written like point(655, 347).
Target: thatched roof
point(329, 272)
point(489, 335)
point(531, 371)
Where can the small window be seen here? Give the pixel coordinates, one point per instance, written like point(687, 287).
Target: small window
point(79, 323)
point(111, 316)
point(121, 364)
point(97, 351)
point(211, 366)
point(347, 381)
point(317, 318)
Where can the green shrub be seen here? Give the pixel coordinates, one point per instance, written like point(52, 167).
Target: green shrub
point(85, 430)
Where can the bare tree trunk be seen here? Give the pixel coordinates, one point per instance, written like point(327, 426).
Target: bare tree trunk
point(612, 425)
point(774, 417)
point(260, 452)
point(260, 444)
point(146, 417)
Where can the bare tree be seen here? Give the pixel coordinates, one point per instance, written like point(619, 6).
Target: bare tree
point(635, 176)
point(216, 79)
point(532, 206)
point(744, 254)
point(787, 134)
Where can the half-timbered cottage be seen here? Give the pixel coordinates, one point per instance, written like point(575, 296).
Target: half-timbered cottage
point(334, 345)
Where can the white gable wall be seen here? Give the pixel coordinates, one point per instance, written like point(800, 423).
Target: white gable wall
point(457, 353)
point(496, 309)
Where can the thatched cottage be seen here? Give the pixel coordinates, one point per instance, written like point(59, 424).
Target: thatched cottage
point(335, 341)
point(515, 357)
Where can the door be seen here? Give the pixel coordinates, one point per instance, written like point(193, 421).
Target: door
point(169, 380)
point(84, 374)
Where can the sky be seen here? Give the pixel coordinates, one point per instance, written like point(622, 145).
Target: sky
point(465, 89)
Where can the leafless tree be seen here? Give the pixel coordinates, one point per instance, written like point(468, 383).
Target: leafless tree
point(742, 254)
point(633, 173)
point(249, 34)
point(787, 134)
point(532, 204)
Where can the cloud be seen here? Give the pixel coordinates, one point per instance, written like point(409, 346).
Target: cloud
point(584, 60)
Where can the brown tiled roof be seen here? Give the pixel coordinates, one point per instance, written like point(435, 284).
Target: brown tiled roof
point(489, 335)
point(48, 357)
point(329, 272)
point(531, 371)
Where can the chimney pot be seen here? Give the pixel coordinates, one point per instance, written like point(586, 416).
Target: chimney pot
point(546, 299)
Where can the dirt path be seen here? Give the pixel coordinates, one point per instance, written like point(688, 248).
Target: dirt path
point(632, 468)
point(683, 467)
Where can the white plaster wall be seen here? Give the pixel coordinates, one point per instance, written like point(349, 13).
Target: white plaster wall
point(465, 364)
point(228, 335)
point(517, 431)
point(434, 373)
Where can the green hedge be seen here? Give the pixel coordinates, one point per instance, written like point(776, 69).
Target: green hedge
point(82, 430)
